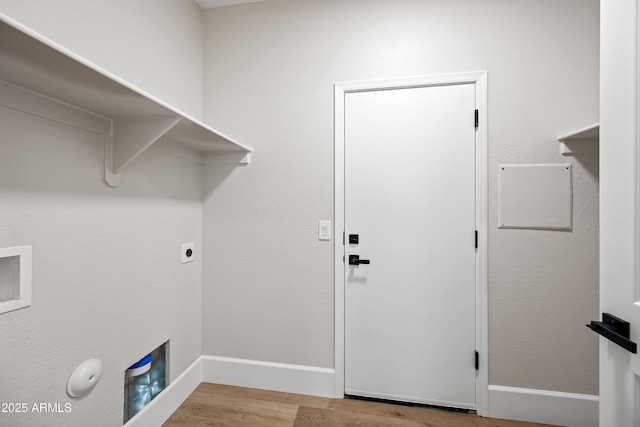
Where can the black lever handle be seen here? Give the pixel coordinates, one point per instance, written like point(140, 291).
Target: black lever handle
point(614, 329)
point(355, 260)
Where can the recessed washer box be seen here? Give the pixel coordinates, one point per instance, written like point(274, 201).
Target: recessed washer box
point(537, 196)
point(15, 278)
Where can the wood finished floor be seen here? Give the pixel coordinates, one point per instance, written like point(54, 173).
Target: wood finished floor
point(212, 405)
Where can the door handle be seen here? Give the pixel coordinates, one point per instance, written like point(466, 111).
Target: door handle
point(614, 329)
point(355, 260)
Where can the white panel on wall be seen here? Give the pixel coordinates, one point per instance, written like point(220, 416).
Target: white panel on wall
point(15, 278)
point(535, 196)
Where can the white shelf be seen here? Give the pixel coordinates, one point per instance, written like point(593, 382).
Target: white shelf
point(130, 119)
point(583, 140)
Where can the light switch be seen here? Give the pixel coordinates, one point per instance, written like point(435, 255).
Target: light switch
point(324, 230)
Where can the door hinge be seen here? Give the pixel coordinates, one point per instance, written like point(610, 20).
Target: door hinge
point(477, 361)
point(343, 238)
point(476, 239)
point(476, 119)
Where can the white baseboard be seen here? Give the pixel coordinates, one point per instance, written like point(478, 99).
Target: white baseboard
point(160, 409)
point(542, 406)
point(539, 406)
point(237, 372)
point(269, 376)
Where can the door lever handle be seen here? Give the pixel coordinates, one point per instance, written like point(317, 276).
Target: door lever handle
point(614, 329)
point(355, 260)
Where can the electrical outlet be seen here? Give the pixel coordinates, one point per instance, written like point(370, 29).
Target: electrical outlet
point(188, 252)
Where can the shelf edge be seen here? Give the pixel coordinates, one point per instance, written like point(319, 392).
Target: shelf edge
point(579, 134)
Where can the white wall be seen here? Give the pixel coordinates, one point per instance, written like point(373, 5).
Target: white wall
point(154, 44)
point(107, 278)
point(269, 74)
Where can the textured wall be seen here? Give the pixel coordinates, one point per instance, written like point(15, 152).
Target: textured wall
point(154, 44)
point(107, 278)
point(269, 74)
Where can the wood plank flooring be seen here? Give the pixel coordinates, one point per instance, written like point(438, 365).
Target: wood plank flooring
point(212, 405)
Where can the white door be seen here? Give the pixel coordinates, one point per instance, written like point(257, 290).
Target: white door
point(619, 213)
point(410, 321)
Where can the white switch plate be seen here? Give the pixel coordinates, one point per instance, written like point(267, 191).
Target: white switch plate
point(187, 256)
point(324, 230)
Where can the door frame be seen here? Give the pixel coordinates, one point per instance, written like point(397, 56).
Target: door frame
point(479, 79)
point(619, 204)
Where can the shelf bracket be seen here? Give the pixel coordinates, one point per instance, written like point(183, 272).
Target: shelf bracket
point(112, 179)
point(585, 140)
point(128, 139)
